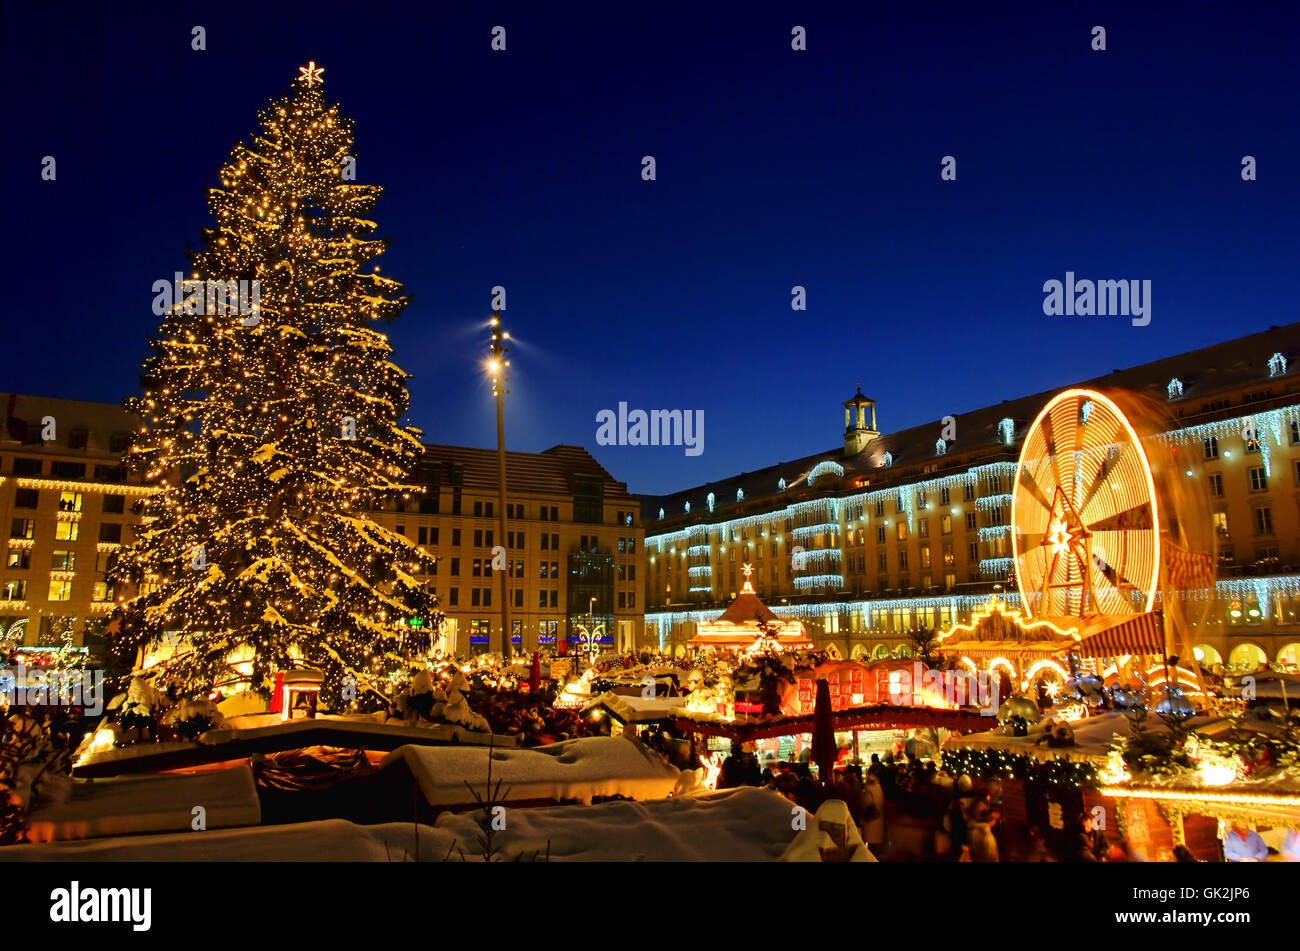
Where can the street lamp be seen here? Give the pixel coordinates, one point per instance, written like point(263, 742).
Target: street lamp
point(591, 628)
point(496, 366)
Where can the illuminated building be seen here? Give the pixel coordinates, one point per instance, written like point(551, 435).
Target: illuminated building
point(890, 533)
point(574, 552)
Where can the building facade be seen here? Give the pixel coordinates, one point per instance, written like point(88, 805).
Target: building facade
point(890, 534)
point(65, 508)
point(574, 553)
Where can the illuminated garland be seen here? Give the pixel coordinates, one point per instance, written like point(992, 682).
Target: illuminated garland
point(977, 762)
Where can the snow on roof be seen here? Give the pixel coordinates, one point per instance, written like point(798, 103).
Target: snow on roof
point(575, 769)
point(735, 825)
point(636, 709)
point(159, 803)
point(1092, 737)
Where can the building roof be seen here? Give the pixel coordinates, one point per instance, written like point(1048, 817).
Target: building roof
point(538, 473)
point(1203, 373)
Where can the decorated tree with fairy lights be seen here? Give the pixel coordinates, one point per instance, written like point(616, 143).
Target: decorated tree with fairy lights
point(273, 431)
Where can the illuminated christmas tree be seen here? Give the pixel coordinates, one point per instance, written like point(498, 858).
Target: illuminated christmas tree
point(271, 411)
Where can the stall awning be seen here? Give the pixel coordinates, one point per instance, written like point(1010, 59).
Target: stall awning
point(1140, 634)
point(1025, 650)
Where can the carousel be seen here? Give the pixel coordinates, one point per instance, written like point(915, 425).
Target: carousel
point(750, 626)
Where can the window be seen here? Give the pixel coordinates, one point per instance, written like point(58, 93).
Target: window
point(1210, 448)
point(631, 599)
point(902, 559)
point(27, 498)
point(972, 521)
point(1216, 485)
point(422, 535)
point(477, 569)
point(115, 504)
point(541, 595)
point(69, 470)
point(546, 539)
point(901, 531)
point(487, 597)
point(69, 501)
point(103, 561)
point(1263, 520)
point(542, 513)
point(14, 590)
point(968, 492)
point(925, 559)
point(22, 528)
point(622, 600)
point(455, 538)
point(972, 554)
point(119, 442)
point(67, 531)
point(27, 467)
point(541, 570)
point(519, 600)
point(555, 542)
point(433, 536)
point(631, 572)
point(1295, 433)
point(478, 536)
point(622, 572)
point(110, 532)
point(101, 592)
point(60, 589)
point(880, 508)
point(1221, 523)
point(19, 558)
point(924, 527)
point(453, 597)
point(478, 511)
point(945, 496)
point(631, 546)
point(881, 562)
point(78, 438)
point(945, 524)
point(880, 534)
point(1258, 480)
point(487, 509)
point(110, 473)
point(622, 546)
point(555, 569)
point(949, 581)
point(63, 560)
point(455, 566)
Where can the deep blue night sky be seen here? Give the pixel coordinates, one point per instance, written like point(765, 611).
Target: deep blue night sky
point(775, 168)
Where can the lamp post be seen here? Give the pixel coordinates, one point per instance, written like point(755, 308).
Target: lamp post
point(497, 364)
point(591, 629)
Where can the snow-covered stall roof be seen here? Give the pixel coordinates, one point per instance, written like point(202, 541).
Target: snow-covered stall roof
point(1092, 737)
point(575, 769)
point(737, 825)
point(734, 825)
point(634, 709)
point(157, 803)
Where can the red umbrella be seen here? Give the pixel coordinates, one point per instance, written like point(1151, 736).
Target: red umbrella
point(535, 673)
point(824, 750)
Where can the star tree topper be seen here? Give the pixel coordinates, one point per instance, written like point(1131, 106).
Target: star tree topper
point(311, 72)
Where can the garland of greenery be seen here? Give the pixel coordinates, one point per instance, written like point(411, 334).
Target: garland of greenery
point(1008, 765)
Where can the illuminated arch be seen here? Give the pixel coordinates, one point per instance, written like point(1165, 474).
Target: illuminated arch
point(1288, 655)
point(1207, 654)
point(827, 468)
point(881, 652)
point(1247, 654)
point(859, 650)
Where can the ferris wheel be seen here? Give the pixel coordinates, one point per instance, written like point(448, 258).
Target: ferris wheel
point(1086, 521)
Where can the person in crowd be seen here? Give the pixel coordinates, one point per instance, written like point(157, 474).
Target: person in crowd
point(1036, 847)
point(1243, 844)
point(979, 834)
point(1183, 854)
point(1091, 840)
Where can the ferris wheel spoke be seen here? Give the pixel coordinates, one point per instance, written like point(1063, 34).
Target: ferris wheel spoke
point(1032, 489)
point(1103, 473)
point(1134, 518)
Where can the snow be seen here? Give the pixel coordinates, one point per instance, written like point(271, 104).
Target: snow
point(737, 825)
point(137, 804)
point(636, 709)
point(362, 726)
point(575, 769)
point(1092, 737)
